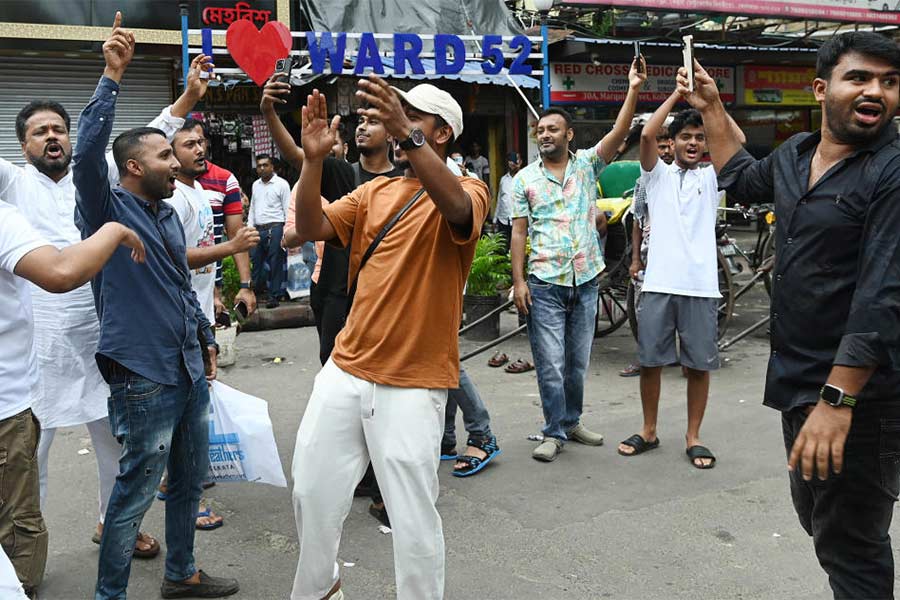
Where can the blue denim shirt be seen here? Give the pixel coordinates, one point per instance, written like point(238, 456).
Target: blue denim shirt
point(149, 314)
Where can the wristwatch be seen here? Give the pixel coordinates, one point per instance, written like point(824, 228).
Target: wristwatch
point(836, 397)
point(416, 139)
point(244, 285)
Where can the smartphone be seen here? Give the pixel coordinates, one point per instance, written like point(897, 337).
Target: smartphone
point(240, 309)
point(637, 56)
point(688, 55)
point(283, 66)
point(206, 39)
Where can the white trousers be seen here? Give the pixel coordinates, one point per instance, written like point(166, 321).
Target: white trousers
point(107, 450)
point(347, 423)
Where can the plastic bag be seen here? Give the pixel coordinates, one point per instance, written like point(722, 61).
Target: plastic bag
point(298, 276)
point(241, 443)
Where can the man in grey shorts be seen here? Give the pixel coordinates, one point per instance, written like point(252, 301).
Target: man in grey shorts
point(681, 288)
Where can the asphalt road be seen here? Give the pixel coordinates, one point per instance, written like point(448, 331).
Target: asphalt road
point(591, 525)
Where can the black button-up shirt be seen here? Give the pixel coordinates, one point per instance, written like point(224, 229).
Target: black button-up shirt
point(149, 315)
point(836, 297)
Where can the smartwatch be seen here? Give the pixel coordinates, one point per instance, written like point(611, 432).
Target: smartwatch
point(836, 397)
point(244, 285)
point(416, 139)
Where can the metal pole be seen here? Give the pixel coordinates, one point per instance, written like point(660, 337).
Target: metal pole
point(185, 62)
point(545, 51)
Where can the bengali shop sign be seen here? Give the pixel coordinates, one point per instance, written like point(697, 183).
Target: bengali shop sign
point(782, 86)
point(588, 83)
point(853, 11)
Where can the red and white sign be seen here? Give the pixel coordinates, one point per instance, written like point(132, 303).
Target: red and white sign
point(587, 83)
point(854, 11)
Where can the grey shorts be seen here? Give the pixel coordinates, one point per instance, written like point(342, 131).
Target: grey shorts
point(660, 316)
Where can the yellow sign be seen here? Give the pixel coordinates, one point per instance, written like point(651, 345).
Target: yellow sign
point(779, 86)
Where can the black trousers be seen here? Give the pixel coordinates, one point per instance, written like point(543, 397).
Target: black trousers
point(329, 312)
point(849, 515)
point(506, 230)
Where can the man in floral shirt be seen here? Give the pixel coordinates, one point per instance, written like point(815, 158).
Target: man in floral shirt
point(554, 202)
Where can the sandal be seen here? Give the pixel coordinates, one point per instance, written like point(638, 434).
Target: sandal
point(498, 359)
point(448, 452)
point(380, 513)
point(520, 366)
point(209, 526)
point(630, 371)
point(695, 452)
point(150, 552)
point(639, 444)
point(473, 464)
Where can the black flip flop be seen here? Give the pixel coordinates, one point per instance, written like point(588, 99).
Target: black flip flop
point(695, 452)
point(639, 444)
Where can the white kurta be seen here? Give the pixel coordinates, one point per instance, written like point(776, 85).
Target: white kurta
point(71, 390)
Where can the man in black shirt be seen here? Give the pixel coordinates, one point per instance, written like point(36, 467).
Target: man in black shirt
point(328, 298)
point(834, 368)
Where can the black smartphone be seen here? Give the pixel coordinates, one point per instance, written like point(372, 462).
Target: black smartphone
point(283, 68)
point(241, 310)
point(637, 56)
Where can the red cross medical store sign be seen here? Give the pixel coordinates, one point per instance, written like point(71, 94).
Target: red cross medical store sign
point(588, 83)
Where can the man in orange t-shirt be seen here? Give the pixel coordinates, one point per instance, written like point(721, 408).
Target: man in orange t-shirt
point(381, 396)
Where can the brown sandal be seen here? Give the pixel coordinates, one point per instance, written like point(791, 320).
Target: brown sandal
point(520, 366)
point(498, 360)
point(146, 538)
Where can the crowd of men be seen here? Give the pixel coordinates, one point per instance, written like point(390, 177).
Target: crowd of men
point(115, 241)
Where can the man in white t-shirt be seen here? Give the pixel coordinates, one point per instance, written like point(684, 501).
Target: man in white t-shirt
point(26, 254)
point(681, 287)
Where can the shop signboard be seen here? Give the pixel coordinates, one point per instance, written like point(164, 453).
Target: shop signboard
point(607, 83)
point(853, 11)
point(779, 86)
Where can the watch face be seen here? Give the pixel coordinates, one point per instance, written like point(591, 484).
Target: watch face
point(832, 395)
point(417, 137)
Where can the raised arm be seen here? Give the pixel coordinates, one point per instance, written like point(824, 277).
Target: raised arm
point(612, 140)
point(318, 137)
point(649, 156)
point(722, 138)
point(443, 187)
point(274, 93)
point(59, 271)
point(89, 173)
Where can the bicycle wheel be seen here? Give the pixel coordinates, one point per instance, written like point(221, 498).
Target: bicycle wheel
point(612, 311)
point(631, 299)
point(726, 289)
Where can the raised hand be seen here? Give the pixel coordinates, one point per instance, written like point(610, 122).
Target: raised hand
point(246, 238)
point(275, 92)
point(637, 77)
point(383, 105)
point(196, 82)
point(317, 135)
point(118, 50)
point(706, 92)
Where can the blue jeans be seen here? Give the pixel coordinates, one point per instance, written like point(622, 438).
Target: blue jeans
point(561, 322)
point(475, 414)
point(270, 253)
point(158, 426)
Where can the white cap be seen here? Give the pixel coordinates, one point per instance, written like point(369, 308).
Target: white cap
point(435, 101)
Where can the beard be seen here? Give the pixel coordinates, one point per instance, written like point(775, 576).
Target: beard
point(194, 170)
point(844, 128)
point(156, 187)
point(51, 167)
point(554, 152)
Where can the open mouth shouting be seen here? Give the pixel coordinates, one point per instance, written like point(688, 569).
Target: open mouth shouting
point(53, 151)
point(691, 153)
point(868, 113)
point(172, 182)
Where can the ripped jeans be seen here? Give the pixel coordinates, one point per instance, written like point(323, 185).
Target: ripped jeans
point(159, 426)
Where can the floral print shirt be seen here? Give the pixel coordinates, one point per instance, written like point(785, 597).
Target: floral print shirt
point(565, 249)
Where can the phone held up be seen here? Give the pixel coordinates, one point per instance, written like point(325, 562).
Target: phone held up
point(637, 57)
point(688, 55)
point(283, 68)
point(241, 311)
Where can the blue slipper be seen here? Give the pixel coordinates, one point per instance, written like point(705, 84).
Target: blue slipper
point(211, 526)
point(448, 453)
point(161, 496)
point(474, 464)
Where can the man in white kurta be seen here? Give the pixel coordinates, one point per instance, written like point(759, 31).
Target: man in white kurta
point(71, 390)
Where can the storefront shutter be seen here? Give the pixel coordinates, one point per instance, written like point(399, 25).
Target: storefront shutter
point(146, 89)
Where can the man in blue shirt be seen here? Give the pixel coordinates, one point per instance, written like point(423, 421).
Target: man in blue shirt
point(159, 402)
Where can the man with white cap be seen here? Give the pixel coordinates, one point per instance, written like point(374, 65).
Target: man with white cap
point(382, 393)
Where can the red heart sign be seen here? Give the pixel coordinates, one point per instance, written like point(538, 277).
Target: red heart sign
point(256, 50)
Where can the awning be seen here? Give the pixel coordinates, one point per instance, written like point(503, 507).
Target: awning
point(471, 73)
